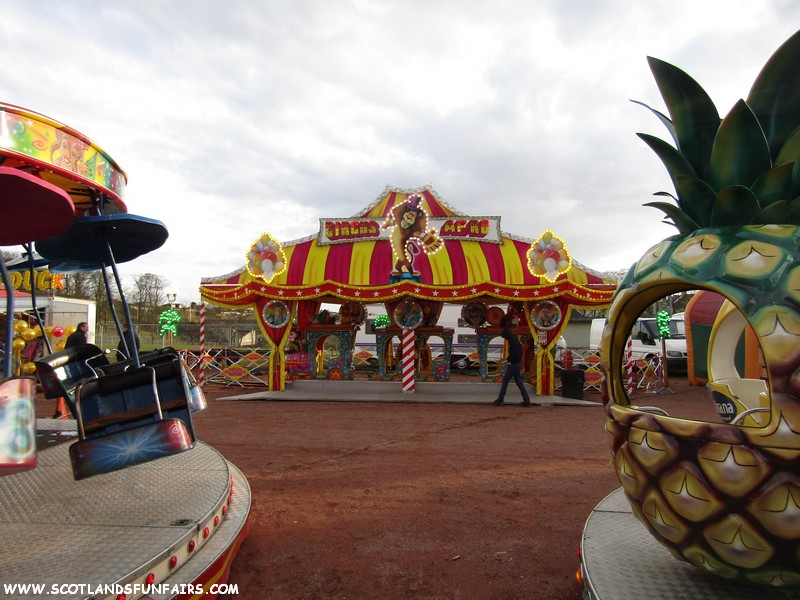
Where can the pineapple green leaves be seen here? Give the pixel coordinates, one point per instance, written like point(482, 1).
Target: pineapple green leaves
point(694, 116)
point(740, 170)
point(775, 95)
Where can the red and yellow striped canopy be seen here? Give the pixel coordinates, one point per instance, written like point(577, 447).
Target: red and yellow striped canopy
point(360, 270)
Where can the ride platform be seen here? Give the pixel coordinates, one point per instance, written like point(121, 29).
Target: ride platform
point(176, 522)
point(309, 390)
point(621, 560)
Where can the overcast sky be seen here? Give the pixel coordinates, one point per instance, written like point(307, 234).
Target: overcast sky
point(241, 117)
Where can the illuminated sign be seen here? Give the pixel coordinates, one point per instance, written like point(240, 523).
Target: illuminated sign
point(349, 230)
point(45, 280)
point(365, 229)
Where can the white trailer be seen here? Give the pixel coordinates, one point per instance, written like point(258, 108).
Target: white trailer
point(57, 311)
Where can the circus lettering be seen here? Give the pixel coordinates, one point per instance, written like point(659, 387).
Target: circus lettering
point(351, 230)
point(473, 228)
point(368, 229)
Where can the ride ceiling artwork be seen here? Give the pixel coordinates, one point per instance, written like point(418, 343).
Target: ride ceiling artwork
point(71, 193)
point(59, 155)
point(451, 258)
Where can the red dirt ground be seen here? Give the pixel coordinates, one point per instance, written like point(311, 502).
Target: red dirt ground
point(359, 501)
point(435, 501)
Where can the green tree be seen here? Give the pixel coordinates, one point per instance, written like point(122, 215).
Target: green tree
point(81, 284)
point(146, 296)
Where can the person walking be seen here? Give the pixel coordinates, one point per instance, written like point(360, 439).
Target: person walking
point(78, 337)
point(131, 339)
point(513, 363)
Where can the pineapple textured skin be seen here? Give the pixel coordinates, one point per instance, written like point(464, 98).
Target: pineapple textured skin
point(724, 497)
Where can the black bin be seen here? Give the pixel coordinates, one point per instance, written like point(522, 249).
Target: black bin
point(572, 383)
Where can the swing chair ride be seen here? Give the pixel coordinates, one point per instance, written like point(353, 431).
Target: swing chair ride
point(127, 413)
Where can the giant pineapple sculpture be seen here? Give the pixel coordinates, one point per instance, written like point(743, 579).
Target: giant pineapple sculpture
point(723, 497)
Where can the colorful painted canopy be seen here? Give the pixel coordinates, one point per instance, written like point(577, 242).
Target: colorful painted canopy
point(359, 268)
point(63, 157)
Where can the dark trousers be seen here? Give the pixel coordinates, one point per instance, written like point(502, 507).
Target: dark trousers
point(513, 370)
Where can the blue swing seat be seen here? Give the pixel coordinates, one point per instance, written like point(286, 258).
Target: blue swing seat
point(60, 373)
point(130, 418)
point(155, 358)
point(148, 358)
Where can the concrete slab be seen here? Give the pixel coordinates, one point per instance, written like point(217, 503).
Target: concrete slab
point(115, 528)
point(391, 391)
point(620, 559)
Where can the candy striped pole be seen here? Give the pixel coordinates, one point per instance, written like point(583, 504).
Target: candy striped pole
point(201, 374)
point(630, 364)
point(407, 353)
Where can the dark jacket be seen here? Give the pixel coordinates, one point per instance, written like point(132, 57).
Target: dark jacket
point(76, 338)
point(129, 338)
point(514, 347)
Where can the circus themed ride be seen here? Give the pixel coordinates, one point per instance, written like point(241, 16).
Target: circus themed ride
point(122, 498)
point(723, 497)
point(412, 253)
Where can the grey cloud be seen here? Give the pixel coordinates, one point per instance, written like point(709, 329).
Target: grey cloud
point(249, 116)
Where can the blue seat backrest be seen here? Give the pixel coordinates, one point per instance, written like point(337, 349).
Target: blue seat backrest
point(173, 391)
point(149, 359)
point(61, 372)
point(124, 400)
point(117, 394)
point(161, 354)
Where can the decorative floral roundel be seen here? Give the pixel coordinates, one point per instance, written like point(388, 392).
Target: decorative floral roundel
point(546, 315)
point(474, 313)
point(408, 314)
point(276, 314)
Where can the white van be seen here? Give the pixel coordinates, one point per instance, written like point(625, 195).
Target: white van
point(646, 341)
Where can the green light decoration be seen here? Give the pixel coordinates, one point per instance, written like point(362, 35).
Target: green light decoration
point(382, 321)
point(662, 321)
point(169, 320)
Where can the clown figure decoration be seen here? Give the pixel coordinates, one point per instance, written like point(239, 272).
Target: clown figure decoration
point(409, 223)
